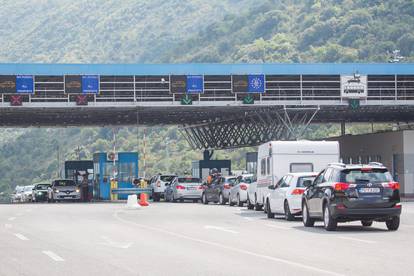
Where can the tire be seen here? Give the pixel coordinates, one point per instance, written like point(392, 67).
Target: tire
point(231, 203)
point(250, 206)
point(393, 224)
point(288, 214)
point(306, 219)
point(270, 215)
point(181, 200)
point(257, 206)
point(195, 200)
point(366, 223)
point(155, 197)
point(204, 199)
point(329, 223)
point(239, 203)
point(222, 201)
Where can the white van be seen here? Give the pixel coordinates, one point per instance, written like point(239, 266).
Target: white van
point(278, 158)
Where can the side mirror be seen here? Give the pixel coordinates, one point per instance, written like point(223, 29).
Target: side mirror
point(307, 183)
point(271, 187)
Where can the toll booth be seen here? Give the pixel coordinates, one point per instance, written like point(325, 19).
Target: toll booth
point(125, 166)
point(201, 168)
point(81, 171)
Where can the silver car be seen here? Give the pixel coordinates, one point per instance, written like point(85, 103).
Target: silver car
point(182, 188)
point(63, 189)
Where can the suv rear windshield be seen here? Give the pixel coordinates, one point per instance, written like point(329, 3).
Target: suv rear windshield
point(63, 183)
point(230, 180)
point(42, 186)
point(188, 180)
point(302, 179)
point(167, 178)
point(358, 175)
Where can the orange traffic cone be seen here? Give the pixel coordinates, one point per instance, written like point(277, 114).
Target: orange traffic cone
point(143, 201)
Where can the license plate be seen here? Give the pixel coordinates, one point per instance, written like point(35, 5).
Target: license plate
point(191, 188)
point(369, 190)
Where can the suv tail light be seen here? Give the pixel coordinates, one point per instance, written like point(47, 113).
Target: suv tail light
point(158, 183)
point(340, 186)
point(243, 186)
point(180, 187)
point(226, 186)
point(201, 187)
point(298, 191)
point(391, 185)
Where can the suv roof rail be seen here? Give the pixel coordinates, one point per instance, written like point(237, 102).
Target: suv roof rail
point(376, 164)
point(337, 164)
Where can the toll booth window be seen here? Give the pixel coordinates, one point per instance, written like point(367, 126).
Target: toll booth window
point(109, 170)
point(126, 173)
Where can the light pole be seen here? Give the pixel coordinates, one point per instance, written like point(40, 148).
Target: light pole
point(167, 142)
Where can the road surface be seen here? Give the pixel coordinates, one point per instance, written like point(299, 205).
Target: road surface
point(192, 239)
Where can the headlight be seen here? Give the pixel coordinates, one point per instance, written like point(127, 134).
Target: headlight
point(57, 191)
point(39, 193)
point(77, 190)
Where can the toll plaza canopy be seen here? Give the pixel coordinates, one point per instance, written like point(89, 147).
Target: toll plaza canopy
point(194, 94)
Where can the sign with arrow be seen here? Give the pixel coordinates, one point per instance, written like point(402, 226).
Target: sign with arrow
point(354, 104)
point(248, 99)
point(186, 100)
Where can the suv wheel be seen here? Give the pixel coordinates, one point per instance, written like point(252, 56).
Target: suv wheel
point(366, 223)
point(221, 199)
point(288, 214)
point(269, 212)
point(393, 223)
point(307, 220)
point(257, 206)
point(329, 222)
point(155, 197)
point(204, 199)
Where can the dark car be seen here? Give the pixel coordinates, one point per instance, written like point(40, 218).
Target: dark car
point(40, 192)
point(219, 190)
point(342, 193)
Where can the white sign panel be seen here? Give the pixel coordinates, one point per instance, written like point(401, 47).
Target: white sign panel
point(354, 87)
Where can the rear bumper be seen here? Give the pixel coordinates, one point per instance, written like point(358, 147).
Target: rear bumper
point(368, 214)
point(189, 195)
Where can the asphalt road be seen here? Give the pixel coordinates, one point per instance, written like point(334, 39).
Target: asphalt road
point(192, 239)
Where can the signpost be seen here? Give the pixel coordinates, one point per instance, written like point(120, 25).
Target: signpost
point(24, 84)
point(186, 100)
point(90, 84)
point(248, 83)
point(195, 84)
point(248, 99)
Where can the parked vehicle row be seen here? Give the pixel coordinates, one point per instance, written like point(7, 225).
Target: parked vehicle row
point(58, 190)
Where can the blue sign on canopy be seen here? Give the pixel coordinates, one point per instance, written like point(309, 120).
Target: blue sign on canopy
point(195, 84)
point(256, 83)
point(90, 84)
point(24, 84)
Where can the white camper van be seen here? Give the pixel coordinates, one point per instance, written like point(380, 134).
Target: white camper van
point(278, 158)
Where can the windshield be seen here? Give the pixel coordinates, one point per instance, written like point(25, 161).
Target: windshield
point(247, 180)
point(302, 179)
point(63, 183)
point(28, 188)
point(188, 180)
point(230, 180)
point(42, 186)
point(167, 178)
point(358, 175)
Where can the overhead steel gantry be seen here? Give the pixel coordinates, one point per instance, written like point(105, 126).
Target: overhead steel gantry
point(231, 105)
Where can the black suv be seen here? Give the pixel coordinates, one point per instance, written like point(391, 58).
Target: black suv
point(342, 193)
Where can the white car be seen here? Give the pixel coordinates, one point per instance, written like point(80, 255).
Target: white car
point(238, 192)
point(27, 193)
point(286, 196)
point(17, 194)
point(158, 185)
point(252, 197)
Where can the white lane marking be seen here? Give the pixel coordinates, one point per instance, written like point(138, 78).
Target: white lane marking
point(408, 225)
point(111, 243)
point(230, 248)
point(20, 236)
point(53, 256)
point(8, 225)
point(220, 229)
point(277, 226)
point(355, 239)
point(12, 218)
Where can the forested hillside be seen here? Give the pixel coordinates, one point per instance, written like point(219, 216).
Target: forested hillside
point(181, 31)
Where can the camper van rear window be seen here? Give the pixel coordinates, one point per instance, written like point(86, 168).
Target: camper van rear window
point(301, 167)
